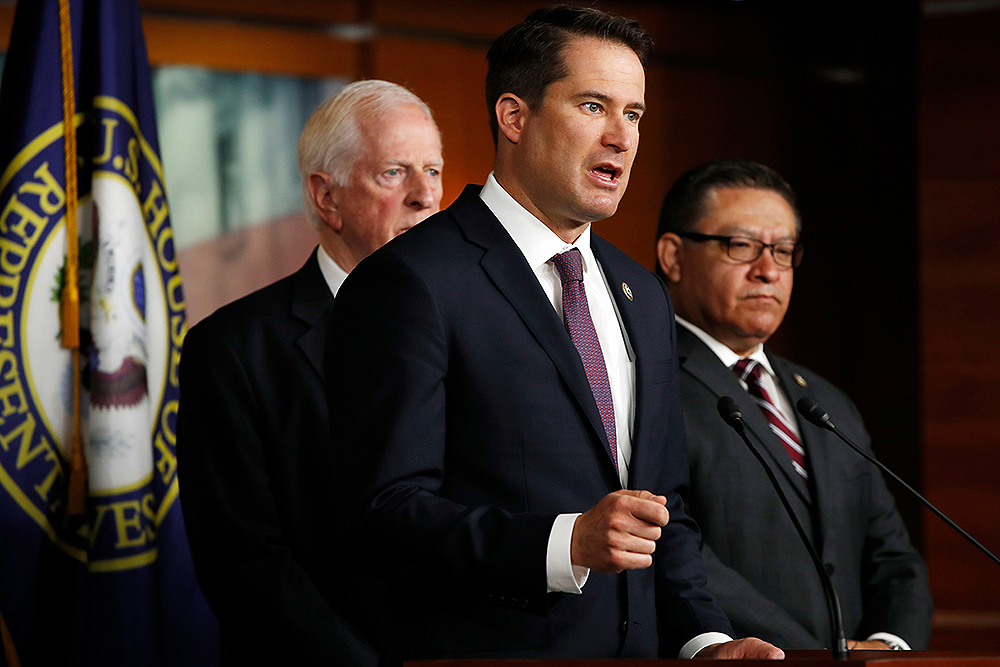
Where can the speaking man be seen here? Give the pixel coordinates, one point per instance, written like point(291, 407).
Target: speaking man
point(506, 394)
point(256, 456)
point(728, 247)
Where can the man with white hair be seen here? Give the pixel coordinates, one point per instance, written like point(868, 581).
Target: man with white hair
point(253, 434)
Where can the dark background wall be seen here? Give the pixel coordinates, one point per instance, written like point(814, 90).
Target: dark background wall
point(882, 115)
point(959, 231)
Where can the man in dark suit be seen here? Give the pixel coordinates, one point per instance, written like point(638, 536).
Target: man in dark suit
point(728, 245)
point(255, 454)
point(509, 411)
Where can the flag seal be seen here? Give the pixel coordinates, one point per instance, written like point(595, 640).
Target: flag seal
point(132, 316)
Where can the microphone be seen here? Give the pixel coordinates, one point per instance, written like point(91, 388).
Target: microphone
point(730, 413)
point(812, 411)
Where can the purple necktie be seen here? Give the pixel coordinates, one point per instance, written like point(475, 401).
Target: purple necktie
point(581, 329)
point(749, 371)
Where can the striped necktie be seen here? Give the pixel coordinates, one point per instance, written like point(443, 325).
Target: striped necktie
point(749, 371)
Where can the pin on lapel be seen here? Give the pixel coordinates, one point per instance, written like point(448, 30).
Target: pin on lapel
point(627, 290)
point(801, 380)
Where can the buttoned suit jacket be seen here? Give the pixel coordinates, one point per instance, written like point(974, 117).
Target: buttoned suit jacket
point(469, 425)
point(758, 567)
point(256, 461)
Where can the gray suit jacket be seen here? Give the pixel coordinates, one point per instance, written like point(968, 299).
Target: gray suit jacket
point(758, 568)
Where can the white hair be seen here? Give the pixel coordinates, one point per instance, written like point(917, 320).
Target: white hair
point(331, 139)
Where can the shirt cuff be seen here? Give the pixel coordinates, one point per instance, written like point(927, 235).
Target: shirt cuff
point(562, 576)
point(703, 640)
point(895, 642)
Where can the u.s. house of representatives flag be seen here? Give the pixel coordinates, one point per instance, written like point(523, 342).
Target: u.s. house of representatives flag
point(114, 585)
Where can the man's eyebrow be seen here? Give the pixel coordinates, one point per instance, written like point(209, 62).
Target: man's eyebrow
point(737, 230)
point(593, 94)
point(603, 97)
point(406, 162)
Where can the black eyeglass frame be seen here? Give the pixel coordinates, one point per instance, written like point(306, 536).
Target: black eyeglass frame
point(797, 248)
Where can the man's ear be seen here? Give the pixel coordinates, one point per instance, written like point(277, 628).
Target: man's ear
point(669, 253)
point(324, 195)
point(511, 114)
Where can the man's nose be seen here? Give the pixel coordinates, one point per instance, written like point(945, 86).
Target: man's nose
point(620, 134)
point(764, 268)
point(423, 192)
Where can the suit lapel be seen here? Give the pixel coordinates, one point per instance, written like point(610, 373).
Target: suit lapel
point(700, 362)
point(504, 263)
point(311, 304)
point(815, 442)
point(616, 272)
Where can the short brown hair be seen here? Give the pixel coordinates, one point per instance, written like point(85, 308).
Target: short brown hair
point(528, 57)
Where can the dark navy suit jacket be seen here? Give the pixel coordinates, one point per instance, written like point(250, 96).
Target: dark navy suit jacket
point(468, 424)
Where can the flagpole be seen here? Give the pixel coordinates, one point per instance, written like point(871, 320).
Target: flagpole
point(70, 304)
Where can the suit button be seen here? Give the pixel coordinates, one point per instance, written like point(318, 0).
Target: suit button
point(830, 569)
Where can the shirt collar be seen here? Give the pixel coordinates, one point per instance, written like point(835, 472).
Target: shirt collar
point(332, 273)
point(536, 242)
point(722, 351)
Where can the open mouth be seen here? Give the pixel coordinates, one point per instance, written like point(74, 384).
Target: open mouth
point(607, 173)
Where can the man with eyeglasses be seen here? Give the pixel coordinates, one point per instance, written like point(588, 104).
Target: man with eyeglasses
point(728, 244)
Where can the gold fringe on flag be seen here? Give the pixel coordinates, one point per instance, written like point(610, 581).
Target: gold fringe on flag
point(8, 645)
point(70, 305)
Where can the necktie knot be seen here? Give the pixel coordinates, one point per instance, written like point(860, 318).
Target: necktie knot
point(748, 370)
point(569, 264)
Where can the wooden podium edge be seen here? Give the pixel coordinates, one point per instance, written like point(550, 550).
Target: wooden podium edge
point(792, 659)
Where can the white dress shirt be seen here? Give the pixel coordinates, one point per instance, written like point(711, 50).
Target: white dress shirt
point(539, 244)
point(332, 273)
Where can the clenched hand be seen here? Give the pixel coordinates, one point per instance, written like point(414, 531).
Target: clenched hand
point(620, 532)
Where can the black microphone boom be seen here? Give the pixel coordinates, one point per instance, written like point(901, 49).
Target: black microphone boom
point(812, 411)
point(730, 413)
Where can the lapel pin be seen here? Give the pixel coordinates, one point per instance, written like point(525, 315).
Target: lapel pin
point(627, 290)
point(801, 380)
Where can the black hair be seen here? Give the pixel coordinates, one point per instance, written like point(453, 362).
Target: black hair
point(684, 205)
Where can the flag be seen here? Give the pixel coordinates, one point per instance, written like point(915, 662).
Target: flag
point(112, 584)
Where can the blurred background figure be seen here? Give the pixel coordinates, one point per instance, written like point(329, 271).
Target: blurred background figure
point(255, 451)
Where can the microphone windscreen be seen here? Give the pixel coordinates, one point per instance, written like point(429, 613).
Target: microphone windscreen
point(812, 411)
point(729, 411)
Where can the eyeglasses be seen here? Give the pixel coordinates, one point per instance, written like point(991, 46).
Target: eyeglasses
point(746, 249)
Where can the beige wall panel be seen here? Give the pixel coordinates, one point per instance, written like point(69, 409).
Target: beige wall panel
point(319, 11)
point(449, 77)
point(248, 47)
point(483, 21)
point(232, 266)
point(6, 23)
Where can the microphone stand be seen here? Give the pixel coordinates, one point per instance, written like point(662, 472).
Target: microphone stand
point(812, 411)
point(730, 413)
